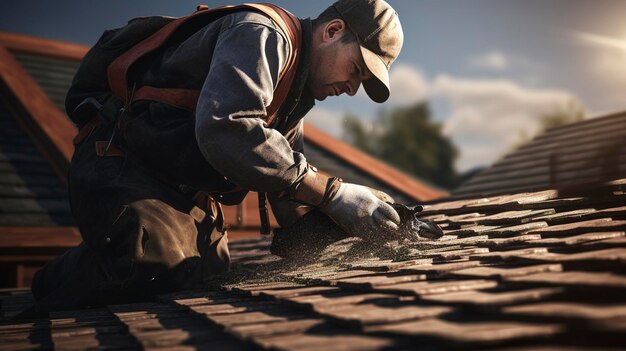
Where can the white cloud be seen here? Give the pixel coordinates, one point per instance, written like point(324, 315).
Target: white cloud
point(492, 61)
point(488, 116)
point(408, 85)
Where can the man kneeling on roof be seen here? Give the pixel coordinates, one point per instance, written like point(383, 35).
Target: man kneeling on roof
point(176, 116)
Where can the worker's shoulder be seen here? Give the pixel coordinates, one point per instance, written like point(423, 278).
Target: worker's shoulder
point(251, 17)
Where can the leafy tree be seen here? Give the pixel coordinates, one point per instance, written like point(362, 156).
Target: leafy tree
point(358, 135)
point(572, 111)
point(408, 139)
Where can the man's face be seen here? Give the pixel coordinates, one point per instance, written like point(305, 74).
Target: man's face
point(336, 67)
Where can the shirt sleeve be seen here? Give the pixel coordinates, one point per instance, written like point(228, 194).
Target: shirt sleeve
point(286, 211)
point(230, 129)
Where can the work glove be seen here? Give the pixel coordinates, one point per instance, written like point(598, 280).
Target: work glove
point(359, 212)
point(382, 196)
point(357, 209)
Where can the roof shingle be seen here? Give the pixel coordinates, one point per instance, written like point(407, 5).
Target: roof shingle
point(526, 281)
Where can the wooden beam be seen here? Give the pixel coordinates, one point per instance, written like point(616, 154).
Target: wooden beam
point(372, 166)
point(45, 119)
point(27, 258)
point(43, 47)
point(242, 234)
point(39, 237)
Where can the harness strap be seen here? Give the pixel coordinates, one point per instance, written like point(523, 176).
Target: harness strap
point(186, 99)
point(104, 149)
point(208, 203)
point(86, 130)
point(291, 25)
point(117, 71)
point(263, 214)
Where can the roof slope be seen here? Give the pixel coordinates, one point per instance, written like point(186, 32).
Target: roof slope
point(585, 152)
point(526, 271)
point(53, 75)
point(31, 193)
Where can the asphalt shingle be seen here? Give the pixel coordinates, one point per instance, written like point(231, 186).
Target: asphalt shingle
point(550, 276)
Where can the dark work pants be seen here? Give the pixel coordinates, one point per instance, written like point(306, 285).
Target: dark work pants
point(141, 236)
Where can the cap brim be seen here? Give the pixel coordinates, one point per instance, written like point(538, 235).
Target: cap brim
point(377, 87)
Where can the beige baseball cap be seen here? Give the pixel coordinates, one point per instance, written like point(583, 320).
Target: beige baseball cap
point(377, 28)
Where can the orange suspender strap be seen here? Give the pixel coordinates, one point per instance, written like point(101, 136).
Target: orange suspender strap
point(290, 25)
point(188, 98)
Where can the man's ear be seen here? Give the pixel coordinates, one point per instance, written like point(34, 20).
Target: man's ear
point(334, 29)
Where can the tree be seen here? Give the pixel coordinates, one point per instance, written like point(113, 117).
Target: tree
point(408, 139)
point(570, 112)
point(356, 133)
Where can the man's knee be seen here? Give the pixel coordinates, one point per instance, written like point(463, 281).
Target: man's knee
point(168, 248)
point(162, 234)
point(150, 248)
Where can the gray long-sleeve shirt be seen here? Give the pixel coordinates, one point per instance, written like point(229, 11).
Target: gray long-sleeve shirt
point(248, 56)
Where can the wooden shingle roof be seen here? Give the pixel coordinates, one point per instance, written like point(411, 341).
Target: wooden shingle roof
point(526, 271)
point(532, 269)
point(31, 193)
point(564, 157)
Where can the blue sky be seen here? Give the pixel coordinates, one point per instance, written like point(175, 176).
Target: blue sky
point(488, 68)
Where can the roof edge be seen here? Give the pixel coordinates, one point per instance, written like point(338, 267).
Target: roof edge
point(41, 113)
point(587, 120)
point(37, 237)
point(40, 46)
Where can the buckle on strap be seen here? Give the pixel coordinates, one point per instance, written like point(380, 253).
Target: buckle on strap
point(100, 113)
point(264, 215)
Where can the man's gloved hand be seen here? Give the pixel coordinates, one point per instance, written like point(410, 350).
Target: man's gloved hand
point(382, 196)
point(357, 209)
point(359, 212)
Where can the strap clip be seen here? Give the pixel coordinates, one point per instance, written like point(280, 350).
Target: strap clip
point(264, 214)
